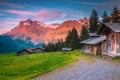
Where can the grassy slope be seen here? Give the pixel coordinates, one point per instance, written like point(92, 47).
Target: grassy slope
point(14, 67)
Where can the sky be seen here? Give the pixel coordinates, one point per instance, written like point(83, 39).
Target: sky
point(49, 11)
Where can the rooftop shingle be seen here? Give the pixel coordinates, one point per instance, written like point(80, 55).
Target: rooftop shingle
point(113, 26)
point(94, 40)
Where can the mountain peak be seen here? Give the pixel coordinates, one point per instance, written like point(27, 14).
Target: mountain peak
point(29, 21)
point(38, 31)
point(26, 22)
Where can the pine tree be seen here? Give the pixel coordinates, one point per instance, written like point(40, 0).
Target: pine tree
point(67, 41)
point(114, 11)
point(72, 39)
point(84, 33)
point(54, 46)
point(105, 17)
point(114, 15)
point(94, 21)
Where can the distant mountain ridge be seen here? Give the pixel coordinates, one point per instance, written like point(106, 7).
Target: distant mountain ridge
point(40, 32)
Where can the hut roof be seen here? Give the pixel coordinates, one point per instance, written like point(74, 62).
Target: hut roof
point(39, 48)
point(112, 26)
point(66, 49)
point(93, 41)
point(93, 34)
point(29, 50)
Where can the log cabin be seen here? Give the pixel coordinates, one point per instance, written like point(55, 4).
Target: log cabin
point(38, 49)
point(24, 52)
point(66, 49)
point(108, 43)
point(30, 51)
point(93, 45)
point(111, 46)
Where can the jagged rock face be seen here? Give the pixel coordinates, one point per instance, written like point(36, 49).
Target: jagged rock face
point(32, 29)
point(39, 32)
point(62, 31)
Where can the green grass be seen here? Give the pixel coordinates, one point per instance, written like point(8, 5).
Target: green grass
point(14, 67)
point(117, 58)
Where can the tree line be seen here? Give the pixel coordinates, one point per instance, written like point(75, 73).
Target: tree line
point(72, 40)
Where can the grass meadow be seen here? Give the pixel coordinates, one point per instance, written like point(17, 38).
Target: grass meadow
point(14, 67)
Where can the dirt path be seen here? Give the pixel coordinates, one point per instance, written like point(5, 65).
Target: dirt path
point(98, 69)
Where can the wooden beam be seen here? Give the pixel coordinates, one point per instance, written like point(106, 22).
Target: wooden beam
point(104, 30)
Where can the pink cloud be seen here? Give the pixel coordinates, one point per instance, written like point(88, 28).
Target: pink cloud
point(4, 30)
point(19, 12)
point(7, 26)
point(10, 4)
point(45, 15)
point(41, 15)
point(8, 23)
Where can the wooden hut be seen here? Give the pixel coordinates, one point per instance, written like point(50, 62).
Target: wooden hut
point(24, 52)
point(108, 43)
point(111, 46)
point(38, 49)
point(92, 45)
point(30, 51)
point(66, 49)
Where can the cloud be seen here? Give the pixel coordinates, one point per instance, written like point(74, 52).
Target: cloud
point(83, 2)
point(7, 24)
point(99, 5)
point(45, 15)
point(108, 5)
point(1, 14)
point(18, 12)
point(41, 15)
point(10, 5)
point(4, 30)
point(73, 15)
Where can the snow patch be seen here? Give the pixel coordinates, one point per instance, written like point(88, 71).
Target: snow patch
point(26, 24)
point(41, 24)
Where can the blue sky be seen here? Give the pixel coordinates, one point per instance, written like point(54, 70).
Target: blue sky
point(49, 11)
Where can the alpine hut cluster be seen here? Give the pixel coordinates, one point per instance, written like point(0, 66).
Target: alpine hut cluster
point(30, 51)
point(105, 41)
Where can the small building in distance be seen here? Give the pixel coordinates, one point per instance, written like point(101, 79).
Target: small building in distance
point(30, 51)
point(24, 52)
point(38, 49)
point(66, 49)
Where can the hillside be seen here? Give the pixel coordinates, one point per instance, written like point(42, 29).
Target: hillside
point(9, 44)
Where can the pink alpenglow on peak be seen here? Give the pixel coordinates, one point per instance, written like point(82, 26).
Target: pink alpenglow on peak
point(40, 32)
